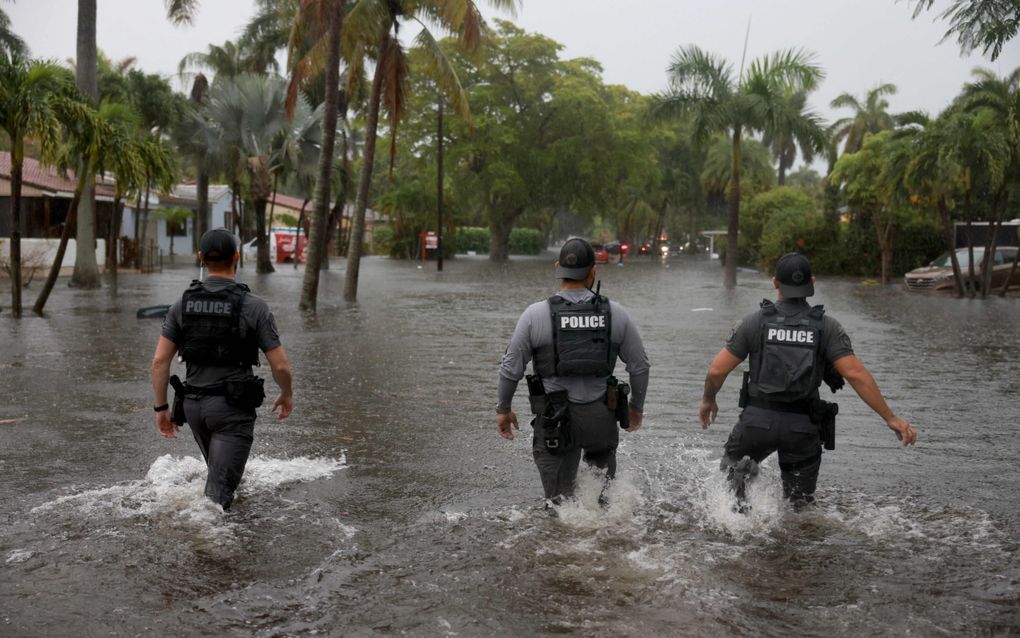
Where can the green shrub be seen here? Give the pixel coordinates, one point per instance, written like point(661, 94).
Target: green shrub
point(383, 240)
point(472, 238)
point(790, 231)
point(755, 216)
point(526, 241)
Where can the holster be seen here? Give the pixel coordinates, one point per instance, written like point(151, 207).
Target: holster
point(553, 425)
point(247, 394)
point(177, 409)
point(823, 413)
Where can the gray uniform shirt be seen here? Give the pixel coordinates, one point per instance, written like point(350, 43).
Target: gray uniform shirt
point(534, 329)
point(256, 316)
point(746, 336)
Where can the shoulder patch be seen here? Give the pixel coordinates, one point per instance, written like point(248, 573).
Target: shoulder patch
point(845, 340)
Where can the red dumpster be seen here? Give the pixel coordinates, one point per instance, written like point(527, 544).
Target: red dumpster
point(285, 248)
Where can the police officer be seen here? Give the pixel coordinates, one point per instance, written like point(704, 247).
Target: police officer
point(219, 326)
point(791, 345)
point(573, 340)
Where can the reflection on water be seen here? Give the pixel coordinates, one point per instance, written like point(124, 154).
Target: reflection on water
point(388, 504)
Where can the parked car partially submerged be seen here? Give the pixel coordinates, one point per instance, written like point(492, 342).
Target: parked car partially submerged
point(938, 275)
point(601, 255)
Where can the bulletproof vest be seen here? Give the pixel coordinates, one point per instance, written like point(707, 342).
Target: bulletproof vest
point(582, 340)
point(789, 366)
point(213, 331)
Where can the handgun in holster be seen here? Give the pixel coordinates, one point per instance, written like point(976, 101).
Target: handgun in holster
point(177, 411)
point(823, 413)
point(536, 394)
point(553, 425)
point(617, 394)
point(742, 400)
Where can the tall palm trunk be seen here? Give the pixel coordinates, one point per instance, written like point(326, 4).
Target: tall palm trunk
point(320, 211)
point(988, 265)
point(947, 236)
point(58, 261)
point(367, 161)
point(113, 235)
point(297, 236)
point(17, 161)
point(202, 194)
point(730, 277)
point(86, 270)
point(263, 263)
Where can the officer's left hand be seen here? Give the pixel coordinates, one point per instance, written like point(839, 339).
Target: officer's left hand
point(506, 423)
point(635, 419)
point(285, 403)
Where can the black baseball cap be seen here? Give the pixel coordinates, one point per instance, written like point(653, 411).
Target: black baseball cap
point(576, 259)
point(218, 244)
point(794, 274)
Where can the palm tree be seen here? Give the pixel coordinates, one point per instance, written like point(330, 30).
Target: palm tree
point(173, 217)
point(249, 113)
point(704, 87)
point(870, 116)
point(10, 41)
point(33, 103)
point(86, 270)
point(324, 178)
point(977, 23)
point(794, 127)
point(998, 99)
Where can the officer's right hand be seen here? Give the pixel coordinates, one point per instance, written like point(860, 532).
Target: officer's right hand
point(709, 410)
point(286, 405)
point(164, 426)
point(902, 429)
point(506, 423)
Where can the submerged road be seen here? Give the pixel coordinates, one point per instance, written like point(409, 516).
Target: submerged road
point(387, 503)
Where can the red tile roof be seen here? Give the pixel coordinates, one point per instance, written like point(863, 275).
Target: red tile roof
point(47, 178)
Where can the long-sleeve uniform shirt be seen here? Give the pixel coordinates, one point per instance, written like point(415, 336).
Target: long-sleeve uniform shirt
point(534, 329)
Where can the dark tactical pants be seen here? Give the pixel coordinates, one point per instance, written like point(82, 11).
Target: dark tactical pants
point(224, 434)
point(760, 432)
point(594, 435)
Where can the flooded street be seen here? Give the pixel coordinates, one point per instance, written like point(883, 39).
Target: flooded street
point(388, 504)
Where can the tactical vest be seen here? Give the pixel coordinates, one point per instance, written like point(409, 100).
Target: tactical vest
point(582, 340)
point(213, 333)
point(789, 367)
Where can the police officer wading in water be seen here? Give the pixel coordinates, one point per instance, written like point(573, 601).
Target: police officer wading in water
point(219, 326)
point(573, 340)
point(793, 348)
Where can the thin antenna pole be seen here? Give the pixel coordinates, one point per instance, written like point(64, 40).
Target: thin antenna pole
point(743, 56)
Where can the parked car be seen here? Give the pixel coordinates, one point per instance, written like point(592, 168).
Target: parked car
point(601, 255)
point(938, 275)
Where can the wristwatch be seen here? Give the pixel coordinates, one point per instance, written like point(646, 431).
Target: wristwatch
point(161, 408)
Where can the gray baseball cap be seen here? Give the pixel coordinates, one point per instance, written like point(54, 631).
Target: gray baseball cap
point(218, 244)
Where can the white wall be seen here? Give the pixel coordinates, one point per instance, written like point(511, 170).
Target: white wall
point(44, 251)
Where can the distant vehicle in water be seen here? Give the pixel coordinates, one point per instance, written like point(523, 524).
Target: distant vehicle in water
point(601, 254)
point(616, 251)
point(938, 275)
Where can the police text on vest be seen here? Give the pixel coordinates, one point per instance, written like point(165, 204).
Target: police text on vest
point(787, 335)
point(582, 322)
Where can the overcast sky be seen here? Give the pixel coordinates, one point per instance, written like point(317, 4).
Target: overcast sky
point(859, 44)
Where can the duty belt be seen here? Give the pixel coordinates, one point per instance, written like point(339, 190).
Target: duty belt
point(802, 407)
point(211, 391)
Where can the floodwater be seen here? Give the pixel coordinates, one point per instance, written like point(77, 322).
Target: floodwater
point(387, 504)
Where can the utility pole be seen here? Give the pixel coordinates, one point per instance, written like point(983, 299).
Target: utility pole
point(439, 188)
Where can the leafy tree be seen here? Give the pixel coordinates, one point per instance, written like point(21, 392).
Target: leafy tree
point(794, 127)
point(704, 87)
point(35, 103)
point(984, 24)
point(756, 216)
point(371, 32)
